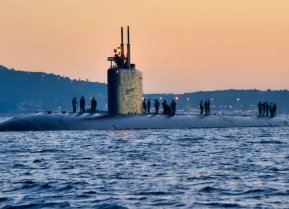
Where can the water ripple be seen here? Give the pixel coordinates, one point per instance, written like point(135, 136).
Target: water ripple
point(199, 168)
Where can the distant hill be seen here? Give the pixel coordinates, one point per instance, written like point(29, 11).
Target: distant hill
point(25, 92)
point(229, 100)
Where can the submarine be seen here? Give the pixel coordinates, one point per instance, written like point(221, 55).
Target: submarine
point(125, 111)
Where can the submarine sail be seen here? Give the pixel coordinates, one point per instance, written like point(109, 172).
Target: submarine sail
point(125, 85)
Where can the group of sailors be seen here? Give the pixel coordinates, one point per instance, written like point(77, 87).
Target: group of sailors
point(265, 109)
point(206, 105)
point(167, 109)
point(93, 105)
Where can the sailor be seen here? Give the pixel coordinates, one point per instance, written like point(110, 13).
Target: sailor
point(264, 108)
point(144, 106)
point(173, 107)
point(165, 109)
point(206, 107)
point(267, 109)
point(157, 106)
point(260, 108)
point(201, 107)
point(149, 106)
point(118, 59)
point(74, 102)
point(274, 110)
point(82, 105)
point(93, 105)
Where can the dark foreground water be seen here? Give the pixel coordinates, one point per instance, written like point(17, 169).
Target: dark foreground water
point(200, 168)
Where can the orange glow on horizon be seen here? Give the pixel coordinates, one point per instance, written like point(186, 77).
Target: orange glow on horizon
point(180, 46)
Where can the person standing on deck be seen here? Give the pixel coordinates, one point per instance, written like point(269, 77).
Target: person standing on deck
point(209, 107)
point(260, 109)
point(149, 106)
point(74, 102)
point(201, 107)
point(82, 104)
point(144, 106)
point(157, 106)
point(173, 107)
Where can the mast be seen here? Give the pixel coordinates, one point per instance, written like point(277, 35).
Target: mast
point(122, 45)
point(128, 48)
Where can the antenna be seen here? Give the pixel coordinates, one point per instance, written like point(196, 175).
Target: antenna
point(122, 45)
point(128, 49)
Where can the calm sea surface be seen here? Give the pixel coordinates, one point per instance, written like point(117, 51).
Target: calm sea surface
point(198, 168)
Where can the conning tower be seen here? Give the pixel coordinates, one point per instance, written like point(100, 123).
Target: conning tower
point(125, 88)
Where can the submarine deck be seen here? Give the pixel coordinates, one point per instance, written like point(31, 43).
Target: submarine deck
point(86, 121)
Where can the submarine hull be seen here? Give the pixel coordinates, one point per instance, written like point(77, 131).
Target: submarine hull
point(45, 122)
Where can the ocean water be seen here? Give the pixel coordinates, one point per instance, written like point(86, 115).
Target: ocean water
point(198, 168)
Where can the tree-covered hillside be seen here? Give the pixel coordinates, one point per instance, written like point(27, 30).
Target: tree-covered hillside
point(23, 91)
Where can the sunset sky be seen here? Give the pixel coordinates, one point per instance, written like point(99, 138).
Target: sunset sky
point(180, 46)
